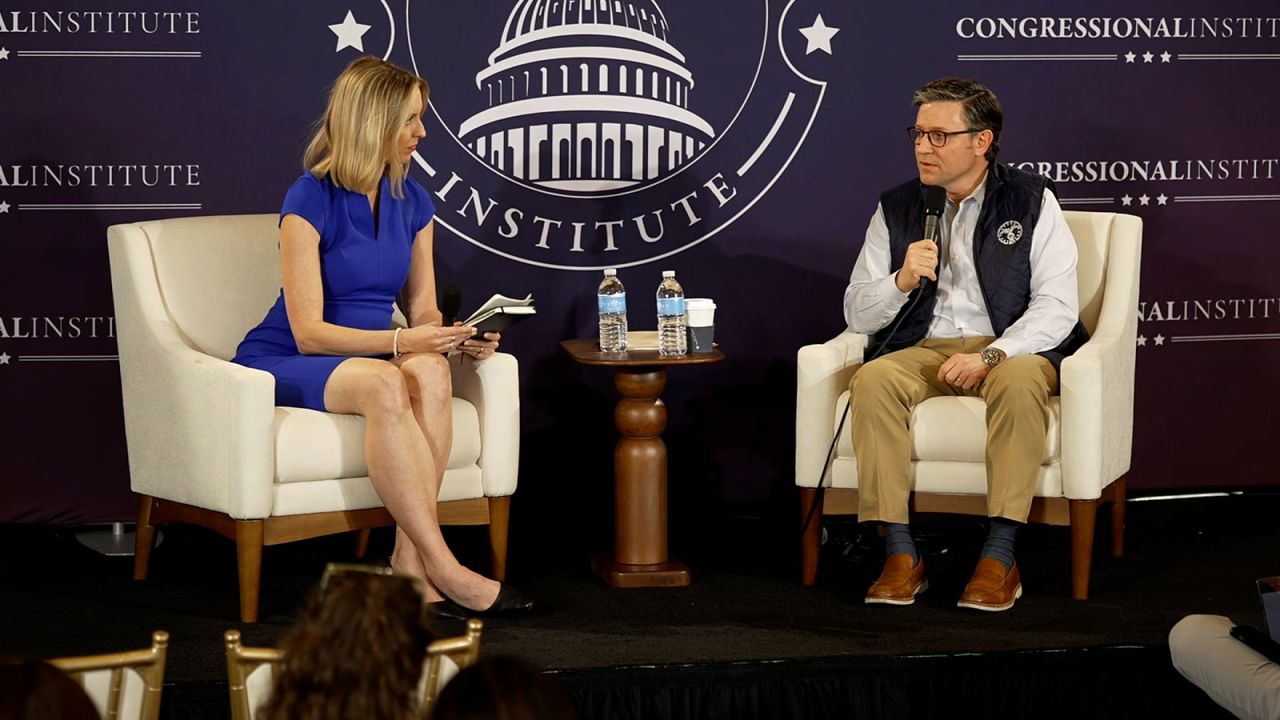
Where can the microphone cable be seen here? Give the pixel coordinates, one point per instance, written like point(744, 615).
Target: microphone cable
point(817, 498)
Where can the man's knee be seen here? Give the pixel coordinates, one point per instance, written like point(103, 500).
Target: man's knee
point(1026, 377)
point(1188, 637)
point(872, 378)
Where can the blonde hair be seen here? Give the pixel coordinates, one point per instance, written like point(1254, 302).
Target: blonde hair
point(352, 143)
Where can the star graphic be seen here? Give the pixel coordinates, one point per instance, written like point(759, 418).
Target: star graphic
point(4, 53)
point(1162, 199)
point(819, 35)
point(4, 358)
point(350, 33)
point(1164, 56)
point(1144, 199)
point(1142, 341)
point(4, 207)
point(1129, 56)
point(1159, 339)
point(1126, 200)
point(1146, 56)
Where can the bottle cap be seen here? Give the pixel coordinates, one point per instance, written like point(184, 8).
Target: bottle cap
point(668, 273)
point(610, 272)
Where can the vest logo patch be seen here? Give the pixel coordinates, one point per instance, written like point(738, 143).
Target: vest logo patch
point(1010, 232)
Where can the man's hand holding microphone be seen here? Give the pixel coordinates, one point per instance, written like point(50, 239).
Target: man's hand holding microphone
point(921, 262)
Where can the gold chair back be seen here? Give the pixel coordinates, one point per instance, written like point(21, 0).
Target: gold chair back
point(242, 661)
point(444, 658)
point(462, 651)
point(115, 700)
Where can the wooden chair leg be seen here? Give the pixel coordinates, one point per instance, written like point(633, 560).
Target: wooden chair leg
point(249, 536)
point(1084, 515)
point(144, 538)
point(811, 540)
point(499, 522)
point(362, 542)
point(1117, 517)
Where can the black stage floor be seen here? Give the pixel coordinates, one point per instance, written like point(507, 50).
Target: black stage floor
point(746, 640)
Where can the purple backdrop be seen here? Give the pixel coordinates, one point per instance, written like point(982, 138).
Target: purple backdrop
point(747, 155)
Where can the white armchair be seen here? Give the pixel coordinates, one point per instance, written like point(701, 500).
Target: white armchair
point(208, 446)
point(1090, 434)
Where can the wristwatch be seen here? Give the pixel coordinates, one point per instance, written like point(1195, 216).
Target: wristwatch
point(993, 356)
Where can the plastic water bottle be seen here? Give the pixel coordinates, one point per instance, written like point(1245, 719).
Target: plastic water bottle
point(611, 299)
point(671, 317)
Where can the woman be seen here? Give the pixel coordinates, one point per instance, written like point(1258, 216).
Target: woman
point(356, 651)
point(355, 232)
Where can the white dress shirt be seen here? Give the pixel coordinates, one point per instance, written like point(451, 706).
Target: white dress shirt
point(872, 298)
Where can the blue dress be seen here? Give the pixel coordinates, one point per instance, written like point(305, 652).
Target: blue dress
point(362, 270)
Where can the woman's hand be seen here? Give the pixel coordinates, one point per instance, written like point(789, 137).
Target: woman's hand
point(481, 348)
point(433, 338)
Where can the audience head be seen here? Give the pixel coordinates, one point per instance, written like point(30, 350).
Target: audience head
point(36, 690)
point(501, 688)
point(356, 650)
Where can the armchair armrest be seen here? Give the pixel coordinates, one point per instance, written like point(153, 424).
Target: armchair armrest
point(199, 429)
point(493, 387)
point(1097, 381)
point(822, 374)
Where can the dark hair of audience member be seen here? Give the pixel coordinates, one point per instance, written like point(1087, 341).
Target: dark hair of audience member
point(356, 651)
point(36, 690)
point(502, 688)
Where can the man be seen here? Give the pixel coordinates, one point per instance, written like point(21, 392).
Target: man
point(995, 321)
point(1236, 676)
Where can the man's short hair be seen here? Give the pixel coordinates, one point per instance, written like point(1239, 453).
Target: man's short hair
point(982, 109)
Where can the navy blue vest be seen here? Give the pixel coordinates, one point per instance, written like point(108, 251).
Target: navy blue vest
point(1001, 252)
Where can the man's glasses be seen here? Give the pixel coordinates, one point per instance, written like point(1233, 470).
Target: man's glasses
point(937, 138)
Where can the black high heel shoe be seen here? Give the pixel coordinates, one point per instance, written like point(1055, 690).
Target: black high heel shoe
point(448, 610)
point(509, 603)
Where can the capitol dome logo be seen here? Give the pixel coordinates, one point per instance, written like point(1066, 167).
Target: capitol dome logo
point(609, 133)
point(589, 99)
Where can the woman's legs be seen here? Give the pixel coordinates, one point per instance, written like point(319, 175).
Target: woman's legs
point(429, 382)
point(403, 470)
point(430, 385)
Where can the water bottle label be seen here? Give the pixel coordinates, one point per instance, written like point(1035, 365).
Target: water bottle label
point(671, 306)
point(612, 303)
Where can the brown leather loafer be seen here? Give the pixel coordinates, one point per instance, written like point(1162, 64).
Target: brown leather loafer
point(899, 582)
point(991, 588)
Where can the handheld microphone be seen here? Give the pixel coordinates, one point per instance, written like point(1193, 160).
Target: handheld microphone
point(935, 201)
point(450, 304)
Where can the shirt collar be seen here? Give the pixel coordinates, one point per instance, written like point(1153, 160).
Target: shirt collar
point(979, 193)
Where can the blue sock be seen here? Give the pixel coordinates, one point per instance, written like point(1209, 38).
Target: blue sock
point(897, 539)
point(1000, 541)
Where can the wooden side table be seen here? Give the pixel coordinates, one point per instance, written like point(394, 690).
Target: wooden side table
point(640, 556)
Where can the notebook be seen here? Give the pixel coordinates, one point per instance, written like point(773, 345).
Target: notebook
point(1266, 643)
point(1269, 596)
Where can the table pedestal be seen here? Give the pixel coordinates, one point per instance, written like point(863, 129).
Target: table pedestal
point(640, 487)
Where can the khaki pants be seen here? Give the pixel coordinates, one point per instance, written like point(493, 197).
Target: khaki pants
point(885, 390)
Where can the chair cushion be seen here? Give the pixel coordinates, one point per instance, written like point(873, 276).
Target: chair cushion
point(357, 493)
point(952, 429)
point(312, 445)
point(948, 478)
